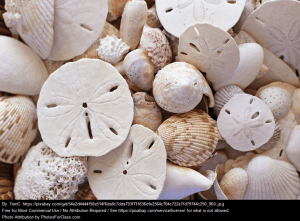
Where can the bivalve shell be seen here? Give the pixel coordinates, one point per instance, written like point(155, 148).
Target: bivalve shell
point(190, 138)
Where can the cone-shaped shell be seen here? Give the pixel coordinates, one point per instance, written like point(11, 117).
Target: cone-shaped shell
point(18, 127)
point(271, 179)
point(190, 138)
point(33, 20)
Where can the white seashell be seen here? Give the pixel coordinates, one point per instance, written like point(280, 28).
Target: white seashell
point(211, 50)
point(22, 70)
point(274, 139)
point(248, 9)
point(278, 99)
point(293, 147)
point(183, 181)
point(179, 87)
point(115, 9)
point(134, 170)
point(33, 20)
point(134, 18)
point(251, 60)
point(296, 105)
point(243, 37)
point(112, 49)
point(81, 109)
point(271, 179)
point(176, 16)
point(246, 122)
point(280, 36)
point(152, 18)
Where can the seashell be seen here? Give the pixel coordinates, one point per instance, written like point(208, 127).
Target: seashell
point(139, 69)
point(182, 181)
point(85, 192)
point(190, 138)
point(277, 70)
point(146, 111)
point(115, 9)
point(243, 37)
point(3, 28)
point(18, 128)
point(33, 21)
point(152, 18)
point(134, 18)
point(286, 86)
point(234, 183)
point(246, 122)
point(293, 147)
point(223, 95)
point(6, 181)
point(157, 47)
point(112, 49)
point(52, 66)
point(176, 16)
point(81, 109)
point(134, 170)
point(178, 88)
point(250, 6)
point(271, 179)
point(280, 36)
point(278, 99)
point(296, 105)
point(91, 52)
point(22, 70)
point(251, 60)
point(77, 25)
point(274, 139)
point(211, 50)
point(45, 175)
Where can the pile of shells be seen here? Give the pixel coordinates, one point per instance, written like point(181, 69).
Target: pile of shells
point(154, 99)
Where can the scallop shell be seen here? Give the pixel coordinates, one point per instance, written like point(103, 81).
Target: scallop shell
point(271, 179)
point(190, 138)
point(112, 49)
point(18, 127)
point(223, 95)
point(33, 20)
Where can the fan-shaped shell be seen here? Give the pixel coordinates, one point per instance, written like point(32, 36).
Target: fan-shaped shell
point(18, 127)
point(190, 138)
point(33, 20)
point(271, 179)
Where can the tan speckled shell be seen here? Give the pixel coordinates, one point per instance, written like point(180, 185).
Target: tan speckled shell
point(18, 127)
point(190, 138)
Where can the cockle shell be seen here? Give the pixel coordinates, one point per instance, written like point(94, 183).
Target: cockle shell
point(33, 21)
point(157, 47)
point(176, 16)
point(146, 111)
point(85, 109)
point(18, 127)
point(134, 18)
point(210, 49)
point(293, 147)
point(246, 122)
point(178, 87)
point(223, 95)
point(134, 170)
point(190, 138)
point(271, 179)
point(22, 70)
point(112, 49)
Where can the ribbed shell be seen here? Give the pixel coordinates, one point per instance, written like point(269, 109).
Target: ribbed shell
point(18, 127)
point(6, 181)
point(274, 139)
point(271, 179)
point(85, 192)
point(33, 20)
point(190, 138)
point(223, 95)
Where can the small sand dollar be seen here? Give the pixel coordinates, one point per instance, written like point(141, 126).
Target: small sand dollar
point(85, 109)
point(134, 170)
point(246, 122)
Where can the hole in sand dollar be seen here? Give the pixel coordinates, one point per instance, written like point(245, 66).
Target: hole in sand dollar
point(251, 101)
point(183, 53)
point(89, 128)
point(68, 141)
point(280, 153)
point(97, 171)
point(124, 172)
point(86, 27)
point(227, 111)
point(151, 144)
point(113, 88)
point(268, 121)
point(259, 20)
point(281, 57)
point(231, 1)
point(84, 105)
point(168, 10)
point(114, 131)
point(252, 142)
point(52, 105)
point(194, 47)
point(225, 42)
point(153, 187)
point(255, 115)
point(297, 73)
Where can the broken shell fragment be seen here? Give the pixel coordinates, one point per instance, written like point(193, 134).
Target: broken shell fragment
point(190, 138)
point(246, 122)
point(85, 109)
point(134, 170)
point(179, 88)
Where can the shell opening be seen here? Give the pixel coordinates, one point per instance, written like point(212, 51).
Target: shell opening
point(227, 111)
point(255, 115)
point(68, 141)
point(113, 88)
point(251, 101)
point(151, 144)
point(259, 20)
point(52, 105)
point(97, 171)
point(114, 131)
point(183, 53)
point(194, 47)
point(124, 172)
point(252, 142)
point(84, 105)
point(86, 27)
point(153, 187)
point(231, 1)
point(168, 10)
point(297, 73)
point(89, 126)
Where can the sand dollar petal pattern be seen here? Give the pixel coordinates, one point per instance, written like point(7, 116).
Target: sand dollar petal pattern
point(85, 109)
point(134, 170)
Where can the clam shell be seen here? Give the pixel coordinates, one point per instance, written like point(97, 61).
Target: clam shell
point(33, 20)
point(18, 127)
point(190, 138)
point(271, 179)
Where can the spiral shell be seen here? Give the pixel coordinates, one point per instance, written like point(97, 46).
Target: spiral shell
point(18, 127)
point(190, 138)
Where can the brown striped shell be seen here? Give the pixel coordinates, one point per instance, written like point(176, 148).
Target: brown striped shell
point(18, 127)
point(190, 138)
